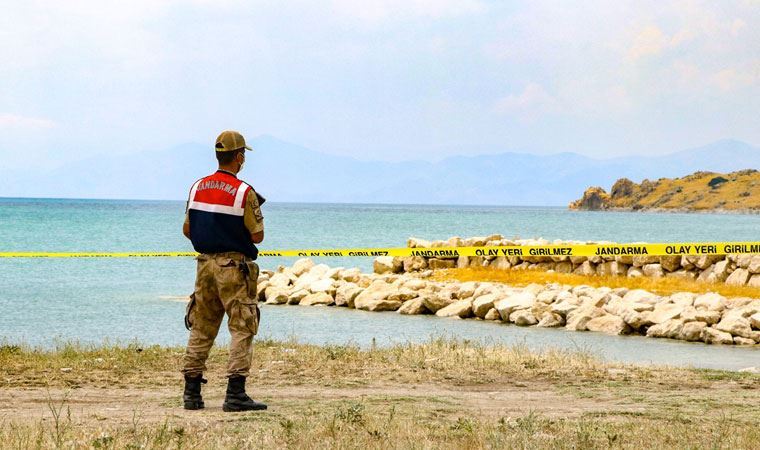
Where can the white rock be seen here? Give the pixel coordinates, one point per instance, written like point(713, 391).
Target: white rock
point(683, 298)
point(737, 326)
point(579, 318)
point(534, 288)
point(414, 263)
point(720, 271)
point(305, 280)
point(710, 301)
point(523, 318)
point(324, 285)
point(413, 307)
point(641, 296)
point(414, 242)
point(738, 340)
point(635, 319)
point(641, 260)
point(754, 321)
point(375, 298)
point(295, 297)
point(280, 280)
point(548, 296)
point(664, 312)
point(608, 324)
point(387, 264)
point(670, 263)
point(566, 296)
point(653, 270)
point(302, 266)
point(460, 308)
point(563, 308)
point(519, 300)
point(692, 331)
point(351, 275)
point(346, 293)
point(334, 273)
point(738, 277)
point(586, 269)
point(713, 336)
point(492, 314)
point(467, 289)
point(754, 265)
point(483, 304)
point(261, 288)
point(434, 302)
point(682, 274)
point(275, 295)
point(700, 315)
point(668, 329)
point(415, 284)
point(551, 320)
point(318, 298)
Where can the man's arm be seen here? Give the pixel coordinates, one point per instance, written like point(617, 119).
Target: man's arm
point(186, 225)
point(254, 220)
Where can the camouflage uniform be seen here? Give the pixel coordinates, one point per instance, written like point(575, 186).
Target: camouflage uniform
point(225, 283)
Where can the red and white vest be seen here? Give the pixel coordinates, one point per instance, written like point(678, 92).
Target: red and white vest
point(216, 206)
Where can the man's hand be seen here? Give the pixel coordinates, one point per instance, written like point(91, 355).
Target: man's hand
point(186, 230)
point(257, 237)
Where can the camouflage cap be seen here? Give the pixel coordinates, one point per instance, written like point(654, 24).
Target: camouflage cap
point(230, 140)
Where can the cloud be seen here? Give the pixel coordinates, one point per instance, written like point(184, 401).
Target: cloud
point(532, 102)
point(22, 122)
point(375, 11)
point(733, 78)
point(652, 41)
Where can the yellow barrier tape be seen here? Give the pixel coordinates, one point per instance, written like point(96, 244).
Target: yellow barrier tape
point(662, 249)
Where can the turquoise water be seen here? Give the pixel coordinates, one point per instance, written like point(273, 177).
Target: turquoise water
point(91, 300)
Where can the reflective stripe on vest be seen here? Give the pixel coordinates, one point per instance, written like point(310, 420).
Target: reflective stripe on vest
point(216, 200)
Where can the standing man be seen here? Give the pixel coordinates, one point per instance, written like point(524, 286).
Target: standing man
point(223, 221)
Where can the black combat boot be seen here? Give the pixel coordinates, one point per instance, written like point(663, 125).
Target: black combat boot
point(192, 395)
point(237, 399)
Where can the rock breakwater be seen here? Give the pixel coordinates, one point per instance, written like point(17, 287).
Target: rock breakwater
point(709, 318)
point(735, 269)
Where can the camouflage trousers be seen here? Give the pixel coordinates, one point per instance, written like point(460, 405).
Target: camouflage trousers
point(224, 283)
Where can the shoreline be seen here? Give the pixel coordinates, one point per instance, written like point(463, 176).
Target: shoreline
point(717, 211)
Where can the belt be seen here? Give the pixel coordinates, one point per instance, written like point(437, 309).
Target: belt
point(237, 256)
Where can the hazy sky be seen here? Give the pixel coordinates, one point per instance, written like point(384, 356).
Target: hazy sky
point(384, 79)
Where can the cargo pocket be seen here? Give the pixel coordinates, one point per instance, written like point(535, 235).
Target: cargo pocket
point(190, 312)
point(252, 280)
point(250, 314)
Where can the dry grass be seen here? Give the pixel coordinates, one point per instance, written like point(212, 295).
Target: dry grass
point(662, 286)
point(741, 191)
point(442, 394)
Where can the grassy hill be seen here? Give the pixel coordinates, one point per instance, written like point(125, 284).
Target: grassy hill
point(700, 191)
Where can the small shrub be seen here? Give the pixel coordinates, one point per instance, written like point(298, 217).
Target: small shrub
point(351, 414)
point(717, 181)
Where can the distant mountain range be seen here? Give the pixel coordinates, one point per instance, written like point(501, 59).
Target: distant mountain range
point(289, 173)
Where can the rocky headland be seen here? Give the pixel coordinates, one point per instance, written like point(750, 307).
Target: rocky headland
point(700, 191)
point(408, 286)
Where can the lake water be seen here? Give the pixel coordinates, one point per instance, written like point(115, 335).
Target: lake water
point(44, 301)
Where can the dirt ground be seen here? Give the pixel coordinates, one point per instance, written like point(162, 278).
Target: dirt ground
point(155, 404)
point(441, 394)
